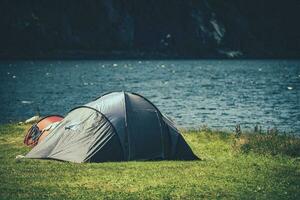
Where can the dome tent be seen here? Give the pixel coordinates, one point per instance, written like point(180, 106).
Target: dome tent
point(117, 126)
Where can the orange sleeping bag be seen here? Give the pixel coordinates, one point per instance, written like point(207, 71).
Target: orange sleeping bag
point(38, 131)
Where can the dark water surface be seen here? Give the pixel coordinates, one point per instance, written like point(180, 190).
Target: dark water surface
point(218, 93)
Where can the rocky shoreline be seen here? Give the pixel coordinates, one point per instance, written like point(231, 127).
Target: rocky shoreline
point(149, 29)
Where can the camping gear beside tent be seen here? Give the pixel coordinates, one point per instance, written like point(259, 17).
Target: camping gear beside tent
point(117, 126)
point(41, 129)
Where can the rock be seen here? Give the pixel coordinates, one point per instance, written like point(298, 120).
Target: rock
point(19, 158)
point(32, 119)
point(231, 54)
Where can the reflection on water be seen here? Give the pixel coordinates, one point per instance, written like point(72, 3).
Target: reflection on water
point(218, 93)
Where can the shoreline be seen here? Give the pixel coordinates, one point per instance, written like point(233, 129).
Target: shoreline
point(136, 55)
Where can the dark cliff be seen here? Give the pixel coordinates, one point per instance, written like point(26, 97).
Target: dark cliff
point(149, 29)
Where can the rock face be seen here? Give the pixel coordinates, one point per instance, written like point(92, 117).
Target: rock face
point(149, 28)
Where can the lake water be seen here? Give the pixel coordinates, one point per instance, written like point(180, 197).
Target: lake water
point(217, 93)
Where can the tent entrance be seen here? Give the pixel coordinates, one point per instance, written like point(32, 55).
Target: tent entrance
point(144, 135)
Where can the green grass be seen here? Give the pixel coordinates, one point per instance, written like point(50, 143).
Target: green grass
point(231, 168)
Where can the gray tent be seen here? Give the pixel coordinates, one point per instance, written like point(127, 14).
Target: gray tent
point(118, 126)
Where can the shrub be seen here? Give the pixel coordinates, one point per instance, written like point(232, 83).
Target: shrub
point(269, 143)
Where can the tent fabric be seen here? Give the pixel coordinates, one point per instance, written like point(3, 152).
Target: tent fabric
point(117, 126)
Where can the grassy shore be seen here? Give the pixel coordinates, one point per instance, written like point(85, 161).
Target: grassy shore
point(257, 166)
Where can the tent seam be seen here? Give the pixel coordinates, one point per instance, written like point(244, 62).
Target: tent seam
point(126, 130)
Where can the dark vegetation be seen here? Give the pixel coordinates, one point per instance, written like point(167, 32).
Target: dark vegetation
point(273, 144)
point(149, 29)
